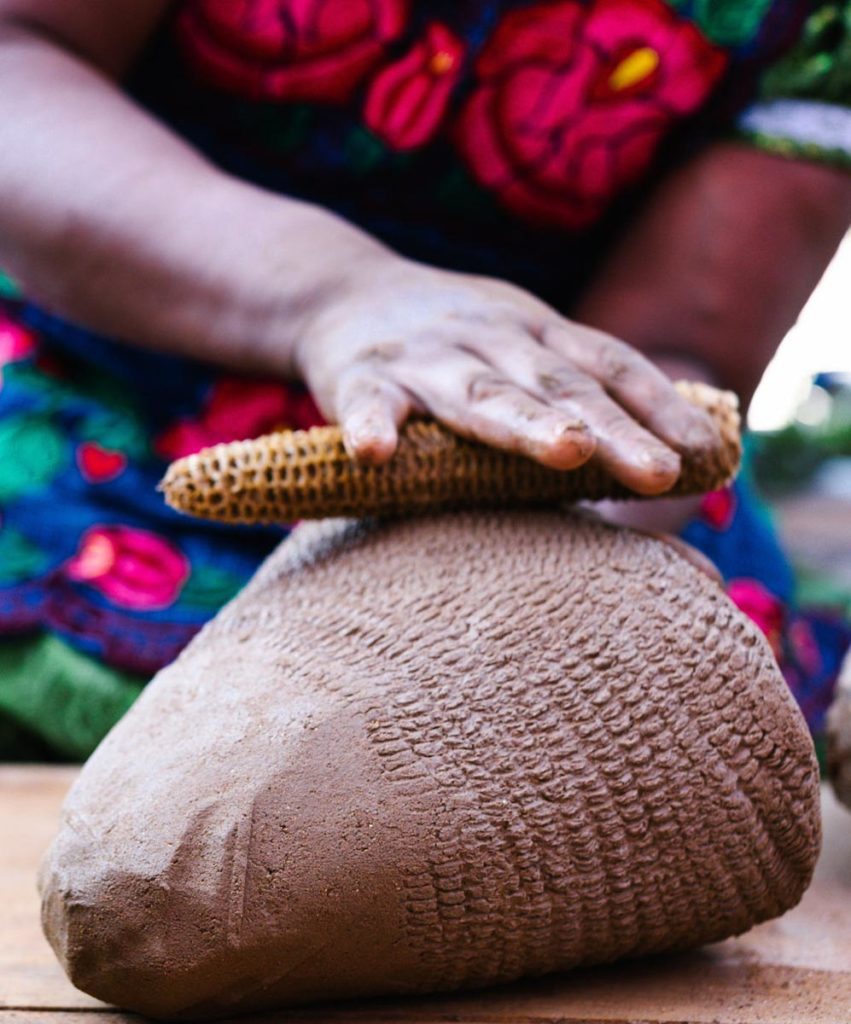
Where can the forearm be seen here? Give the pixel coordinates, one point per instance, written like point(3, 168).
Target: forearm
point(120, 226)
point(113, 221)
point(717, 267)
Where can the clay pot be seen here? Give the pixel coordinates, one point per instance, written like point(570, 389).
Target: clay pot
point(434, 754)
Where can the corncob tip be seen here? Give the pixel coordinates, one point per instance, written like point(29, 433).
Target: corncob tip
point(308, 474)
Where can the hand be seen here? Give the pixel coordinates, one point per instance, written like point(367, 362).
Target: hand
point(495, 364)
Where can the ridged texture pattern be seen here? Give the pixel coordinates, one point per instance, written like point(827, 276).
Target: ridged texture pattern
point(308, 475)
point(436, 753)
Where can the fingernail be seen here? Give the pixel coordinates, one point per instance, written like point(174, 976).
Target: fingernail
point(660, 461)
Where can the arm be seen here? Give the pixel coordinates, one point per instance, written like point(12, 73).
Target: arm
point(121, 226)
point(714, 272)
point(718, 266)
point(118, 224)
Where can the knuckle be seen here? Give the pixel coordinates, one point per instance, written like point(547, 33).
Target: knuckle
point(383, 352)
point(564, 383)
point(617, 361)
point(483, 386)
point(361, 388)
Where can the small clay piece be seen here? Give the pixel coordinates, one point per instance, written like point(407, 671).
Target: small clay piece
point(431, 754)
point(839, 736)
point(306, 474)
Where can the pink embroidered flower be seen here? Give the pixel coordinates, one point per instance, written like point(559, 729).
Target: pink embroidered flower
point(718, 508)
point(407, 101)
point(133, 568)
point(573, 101)
point(761, 607)
point(290, 49)
point(16, 342)
point(237, 409)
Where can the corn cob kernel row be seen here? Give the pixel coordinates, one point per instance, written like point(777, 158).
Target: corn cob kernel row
point(308, 475)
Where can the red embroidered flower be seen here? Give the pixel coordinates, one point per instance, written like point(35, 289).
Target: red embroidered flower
point(573, 101)
point(761, 607)
point(718, 508)
point(289, 49)
point(99, 465)
point(407, 101)
point(133, 568)
point(236, 409)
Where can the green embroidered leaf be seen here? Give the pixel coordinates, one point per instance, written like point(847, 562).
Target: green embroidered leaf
point(47, 390)
point(62, 695)
point(117, 429)
point(32, 452)
point(282, 129)
point(819, 65)
point(115, 423)
point(209, 587)
point(364, 151)
point(458, 192)
point(730, 22)
point(8, 288)
point(19, 559)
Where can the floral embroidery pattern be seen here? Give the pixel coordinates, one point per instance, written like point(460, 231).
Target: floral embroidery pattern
point(235, 410)
point(133, 568)
point(718, 508)
point(290, 49)
point(407, 101)
point(574, 100)
point(16, 343)
point(99, 465)
point(41, 453)
point(761, 607)
point(570, 104)
point(730, 22)
point(19, 559)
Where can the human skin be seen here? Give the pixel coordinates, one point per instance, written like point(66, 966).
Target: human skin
point(718, 264)
point(118, 224)
point(713, 273)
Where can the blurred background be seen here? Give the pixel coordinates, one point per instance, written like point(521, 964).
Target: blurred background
point(800, 447)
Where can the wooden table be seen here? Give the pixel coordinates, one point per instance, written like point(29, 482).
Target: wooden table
point(793, 971)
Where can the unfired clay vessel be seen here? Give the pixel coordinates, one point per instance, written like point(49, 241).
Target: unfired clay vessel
point(432, 754)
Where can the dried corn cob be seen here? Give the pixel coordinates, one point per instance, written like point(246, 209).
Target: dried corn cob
point(308, 475)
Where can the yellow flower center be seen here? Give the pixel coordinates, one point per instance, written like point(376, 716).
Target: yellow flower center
point(634, 68)
point(441, 63)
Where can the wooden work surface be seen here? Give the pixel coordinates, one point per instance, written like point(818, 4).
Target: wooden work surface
point(793, 971)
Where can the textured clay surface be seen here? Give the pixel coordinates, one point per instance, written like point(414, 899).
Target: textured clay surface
point(433, 754)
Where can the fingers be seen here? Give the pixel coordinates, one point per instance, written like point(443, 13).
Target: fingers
point(370, 411)
point(629, 452)
point(555, 392)
point(474, 400)
point(638, 386)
